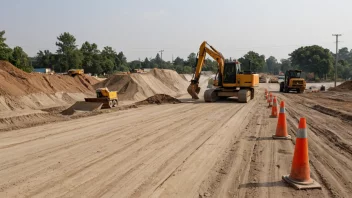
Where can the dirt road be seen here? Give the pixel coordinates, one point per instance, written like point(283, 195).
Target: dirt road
point(192, 149)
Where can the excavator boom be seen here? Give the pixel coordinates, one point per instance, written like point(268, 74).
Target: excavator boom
point(205, 48)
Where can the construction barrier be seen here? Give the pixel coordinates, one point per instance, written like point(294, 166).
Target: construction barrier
point(299, 177)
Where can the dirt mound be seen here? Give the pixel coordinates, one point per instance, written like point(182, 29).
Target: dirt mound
point(159, 99)
point(82, 106)
point(141, 86)
point(20, 90)
point(346, 86)
point(15, 82)
point(91, 79)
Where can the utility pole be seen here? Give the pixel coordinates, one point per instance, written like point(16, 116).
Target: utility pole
point(337, 54)
point(161, 52)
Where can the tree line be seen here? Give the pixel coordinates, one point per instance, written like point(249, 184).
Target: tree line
point(311, 59)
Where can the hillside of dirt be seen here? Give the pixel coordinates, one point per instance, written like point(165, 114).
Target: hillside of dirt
point(141, 86)
point(15, 82)
point(20, 90)
point(346, 86)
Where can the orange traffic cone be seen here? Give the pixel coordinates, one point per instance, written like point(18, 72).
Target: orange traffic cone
point(281, 128)
point(299, 177)
point(274, 108)
point(268, 97)
point(270, 101)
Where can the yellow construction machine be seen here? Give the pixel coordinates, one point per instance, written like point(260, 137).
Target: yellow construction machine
point(74, 72)
point(108, 98)
point(230, 81)
point(293, 81)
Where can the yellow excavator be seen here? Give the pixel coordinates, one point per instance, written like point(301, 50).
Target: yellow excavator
point(230, 81)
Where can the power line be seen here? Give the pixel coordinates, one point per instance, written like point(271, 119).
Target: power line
point(337, 54)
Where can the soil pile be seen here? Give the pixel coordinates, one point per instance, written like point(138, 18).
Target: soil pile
point(15, 82)
point(159, 99)
point(82, 107)
point(91, 79)
point(346, 86)
point(138, 86)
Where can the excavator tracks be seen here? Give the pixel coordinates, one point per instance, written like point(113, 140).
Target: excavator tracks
point(210, 95)
point(244, 95)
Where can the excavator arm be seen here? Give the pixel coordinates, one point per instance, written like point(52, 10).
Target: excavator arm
point(205, 48)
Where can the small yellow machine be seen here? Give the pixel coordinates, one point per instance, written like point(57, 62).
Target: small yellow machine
point(230, 81)
point(108, 98)
point(74, 72)
point(293, 81)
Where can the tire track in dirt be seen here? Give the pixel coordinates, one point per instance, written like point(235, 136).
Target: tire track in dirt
point(87, 166)
point(77, 160)
point(195, 185)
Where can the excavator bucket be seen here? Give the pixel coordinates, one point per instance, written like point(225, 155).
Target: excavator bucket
point(193, 90)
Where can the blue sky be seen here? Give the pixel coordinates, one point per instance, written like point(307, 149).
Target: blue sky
point(140, 28)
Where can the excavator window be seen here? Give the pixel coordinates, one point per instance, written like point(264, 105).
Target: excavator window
point(295, 74)
point(230, 72)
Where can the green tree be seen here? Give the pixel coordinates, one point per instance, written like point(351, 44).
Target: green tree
point(285, 65)
point(191, 59)
point(210, 65)
point(20, 59)
point(179, 69)
point(146, 63)
point(313, 59)
point(122, 58)
point(108, 66)
point(92, 60)
point(272, 65)
point(136, 64)
point(5, 51)
point(349, 58)
point(344, 53)
point(187, 69)
point(179, 61)
point(109, 53)
point(69, 55)
point(344, 70)
point(252, 61)
point(45, 59)
point(157, 61)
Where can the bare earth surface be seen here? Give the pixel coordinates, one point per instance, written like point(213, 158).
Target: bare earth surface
point(191, 149)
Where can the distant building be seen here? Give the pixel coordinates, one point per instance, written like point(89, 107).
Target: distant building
point(43, 70)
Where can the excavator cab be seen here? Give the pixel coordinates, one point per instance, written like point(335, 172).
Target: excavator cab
point(230, 71)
